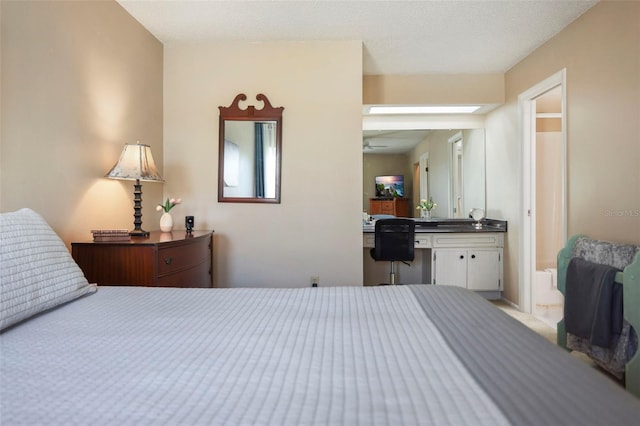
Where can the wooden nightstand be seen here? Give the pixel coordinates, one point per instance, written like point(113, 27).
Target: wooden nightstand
point(172, 259)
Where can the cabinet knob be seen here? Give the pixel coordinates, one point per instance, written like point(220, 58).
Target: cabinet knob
point(473, 256)
point(462, 256)
point(168, 260)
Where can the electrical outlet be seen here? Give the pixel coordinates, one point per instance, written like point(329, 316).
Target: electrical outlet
point(315, 281)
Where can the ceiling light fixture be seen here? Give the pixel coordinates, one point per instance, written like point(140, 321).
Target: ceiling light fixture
point(423, 109)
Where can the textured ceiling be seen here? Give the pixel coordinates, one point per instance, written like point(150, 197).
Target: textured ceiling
point(399, 37)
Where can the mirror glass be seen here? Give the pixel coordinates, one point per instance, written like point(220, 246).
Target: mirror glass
point(250, 145)
point(456, 176)
point(454, 167)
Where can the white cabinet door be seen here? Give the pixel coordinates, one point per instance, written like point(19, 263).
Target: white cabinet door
point(483, 269)
point(450, 267)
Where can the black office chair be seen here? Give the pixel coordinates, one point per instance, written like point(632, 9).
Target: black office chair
point(394, 240)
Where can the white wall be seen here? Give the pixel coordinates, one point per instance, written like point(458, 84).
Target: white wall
point(316, 230)
point(503, 187)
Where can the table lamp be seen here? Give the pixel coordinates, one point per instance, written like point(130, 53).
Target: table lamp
point(136, 163)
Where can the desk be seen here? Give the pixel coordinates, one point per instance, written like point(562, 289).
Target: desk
point(452, 253)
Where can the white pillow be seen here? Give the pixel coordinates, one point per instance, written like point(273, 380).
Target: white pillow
point(36, 270)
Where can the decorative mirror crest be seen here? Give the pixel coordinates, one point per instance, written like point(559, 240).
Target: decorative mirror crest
point(234, 112)
point(250, 143)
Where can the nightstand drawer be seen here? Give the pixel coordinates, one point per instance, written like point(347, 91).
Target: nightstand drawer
point(177, 258)
point(187, 278)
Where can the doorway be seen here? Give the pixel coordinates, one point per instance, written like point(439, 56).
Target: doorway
point(422, 178)
point(544, 214)
point(455, 176)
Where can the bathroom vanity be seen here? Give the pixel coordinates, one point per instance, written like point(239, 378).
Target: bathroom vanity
point(459, 252)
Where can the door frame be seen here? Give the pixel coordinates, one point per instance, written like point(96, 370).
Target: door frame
point(527, 118)
point(424, 175)
point(456, 175)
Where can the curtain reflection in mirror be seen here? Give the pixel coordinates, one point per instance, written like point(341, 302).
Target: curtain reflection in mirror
point(258, 164)
point(265, 160)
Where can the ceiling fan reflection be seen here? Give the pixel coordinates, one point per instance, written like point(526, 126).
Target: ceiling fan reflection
point(367, 145)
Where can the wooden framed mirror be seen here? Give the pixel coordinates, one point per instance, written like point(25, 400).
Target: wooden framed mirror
point(249, 152)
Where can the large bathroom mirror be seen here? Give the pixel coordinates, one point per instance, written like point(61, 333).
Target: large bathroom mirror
point(456, 171)
point(453, 161)
point(249, 152)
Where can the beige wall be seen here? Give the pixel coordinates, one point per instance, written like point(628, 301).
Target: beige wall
point(434, 89)
point(316, 230)
point(79, 79)
point(600, 53)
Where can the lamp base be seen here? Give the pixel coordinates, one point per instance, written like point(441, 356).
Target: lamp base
point(137, 211)
point(139, 233)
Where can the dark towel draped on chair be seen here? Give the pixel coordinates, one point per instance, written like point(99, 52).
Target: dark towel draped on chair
point(593, 302)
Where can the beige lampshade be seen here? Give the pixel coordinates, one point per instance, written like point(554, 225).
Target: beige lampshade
point(136, 162)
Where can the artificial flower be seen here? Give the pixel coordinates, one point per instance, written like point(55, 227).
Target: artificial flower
point(169, 204)
point(426, 205)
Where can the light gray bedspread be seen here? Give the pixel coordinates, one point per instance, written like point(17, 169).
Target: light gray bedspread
point(405, 355)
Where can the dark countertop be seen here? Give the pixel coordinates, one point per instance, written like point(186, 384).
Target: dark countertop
point(451, 225)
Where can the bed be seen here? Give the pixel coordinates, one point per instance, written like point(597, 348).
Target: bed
point(389, 355)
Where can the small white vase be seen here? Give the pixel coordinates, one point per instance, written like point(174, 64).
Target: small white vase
point(426, 214)
point(166, 222)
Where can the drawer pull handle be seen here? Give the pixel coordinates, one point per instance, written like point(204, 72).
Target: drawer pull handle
point(168, 260)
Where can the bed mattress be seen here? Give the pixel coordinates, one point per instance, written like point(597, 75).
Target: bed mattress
point(404, 355)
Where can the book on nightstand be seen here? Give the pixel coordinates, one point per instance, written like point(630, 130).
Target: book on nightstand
point(106, 235)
